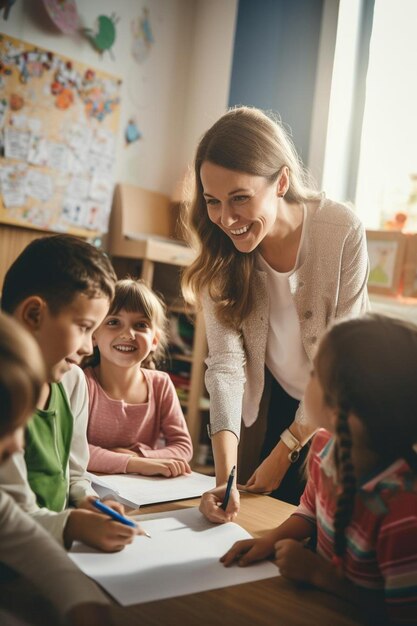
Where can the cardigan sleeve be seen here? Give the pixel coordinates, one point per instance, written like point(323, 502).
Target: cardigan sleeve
point(225, 376)
point(353, 295)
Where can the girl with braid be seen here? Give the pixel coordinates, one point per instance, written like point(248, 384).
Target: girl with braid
point(361, 495)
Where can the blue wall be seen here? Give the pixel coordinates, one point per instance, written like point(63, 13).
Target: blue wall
point(275, 61)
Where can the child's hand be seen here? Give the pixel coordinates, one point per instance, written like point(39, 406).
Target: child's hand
point(89, 615)
point(87, 504)
point(210, 504)
point(295, 561)
point(158, 467)
point(98, 531)
point(248, 551)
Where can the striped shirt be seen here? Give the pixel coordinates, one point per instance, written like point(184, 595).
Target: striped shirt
point(381, 552)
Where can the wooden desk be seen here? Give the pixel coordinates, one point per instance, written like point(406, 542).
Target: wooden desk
point(274, 601)
point(266, 602)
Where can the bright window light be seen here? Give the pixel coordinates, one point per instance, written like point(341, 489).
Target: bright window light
point(387, 176)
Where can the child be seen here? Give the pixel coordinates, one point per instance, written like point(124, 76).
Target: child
point(361, 495)
point(24, 545)
point(59, 289)
point(132, 407)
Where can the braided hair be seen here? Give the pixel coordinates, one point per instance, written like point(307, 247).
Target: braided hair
point(367, 367)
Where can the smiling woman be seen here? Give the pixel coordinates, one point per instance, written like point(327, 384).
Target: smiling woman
point(277, 262)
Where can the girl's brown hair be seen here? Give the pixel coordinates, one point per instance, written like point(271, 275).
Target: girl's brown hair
point(367, 367)
point(22, 374)
point(246, 140)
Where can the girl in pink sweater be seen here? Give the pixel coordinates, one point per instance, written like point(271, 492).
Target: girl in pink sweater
point(132, 408)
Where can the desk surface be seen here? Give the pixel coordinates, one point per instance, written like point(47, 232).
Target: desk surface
point(266, 602)
point(274, 601)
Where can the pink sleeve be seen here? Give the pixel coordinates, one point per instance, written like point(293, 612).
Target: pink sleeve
point(173, 427)
point(106, 461)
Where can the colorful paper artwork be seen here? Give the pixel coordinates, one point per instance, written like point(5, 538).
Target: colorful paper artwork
point(104, 34)
point(143, 38)
point(64, 15)
point(132, 132)
point(5, 6)
point(58, 127)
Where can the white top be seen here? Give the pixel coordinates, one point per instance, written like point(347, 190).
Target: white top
point(285, 355)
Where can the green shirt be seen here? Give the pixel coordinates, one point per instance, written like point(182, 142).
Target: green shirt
point(48, 443)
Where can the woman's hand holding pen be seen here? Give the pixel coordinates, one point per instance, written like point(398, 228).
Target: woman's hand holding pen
point(211, 501)
point(271, 471)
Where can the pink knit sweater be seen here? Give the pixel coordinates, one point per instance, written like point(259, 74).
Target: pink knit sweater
point(115, 424)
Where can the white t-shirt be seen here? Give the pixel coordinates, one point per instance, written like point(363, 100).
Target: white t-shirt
point(285, 356)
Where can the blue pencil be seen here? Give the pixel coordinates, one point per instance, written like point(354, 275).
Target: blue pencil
point(228, 489)
point(115, 515)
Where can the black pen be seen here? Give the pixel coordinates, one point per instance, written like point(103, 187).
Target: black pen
point(228, 489)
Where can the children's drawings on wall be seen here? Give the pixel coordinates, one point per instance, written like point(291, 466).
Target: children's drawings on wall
point(103, 36)
point(58, 125)
point(5, 6)
point(142, 37)
point(64, 15)
point(132, 132)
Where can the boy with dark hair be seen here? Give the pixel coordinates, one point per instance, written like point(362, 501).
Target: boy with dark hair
point(59, 289)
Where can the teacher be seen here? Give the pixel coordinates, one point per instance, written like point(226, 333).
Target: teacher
point(277, 262)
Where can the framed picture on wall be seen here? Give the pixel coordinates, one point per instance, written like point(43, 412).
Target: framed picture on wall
point(386, 250)
point(410, 267)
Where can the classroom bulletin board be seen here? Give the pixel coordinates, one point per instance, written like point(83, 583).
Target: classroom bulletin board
point(58, 128)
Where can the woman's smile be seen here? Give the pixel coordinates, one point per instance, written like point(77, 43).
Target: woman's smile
point(240, 231)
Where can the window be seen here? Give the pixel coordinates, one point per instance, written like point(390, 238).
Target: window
point(387, 173)
point(371, 144)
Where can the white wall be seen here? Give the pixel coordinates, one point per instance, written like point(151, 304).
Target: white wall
point(174, 95)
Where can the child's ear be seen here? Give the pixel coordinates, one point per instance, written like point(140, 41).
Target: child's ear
point(30, 312)
point(155, 341)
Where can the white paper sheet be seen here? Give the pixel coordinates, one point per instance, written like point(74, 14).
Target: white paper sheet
point(182, 557)
point(141, 490)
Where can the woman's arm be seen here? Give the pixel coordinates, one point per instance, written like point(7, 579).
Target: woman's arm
point(224, 445)
point(225, 380)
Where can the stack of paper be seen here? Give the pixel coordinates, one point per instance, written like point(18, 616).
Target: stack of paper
point(137, 490)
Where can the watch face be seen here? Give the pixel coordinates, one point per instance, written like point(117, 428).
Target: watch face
point(294, 456)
